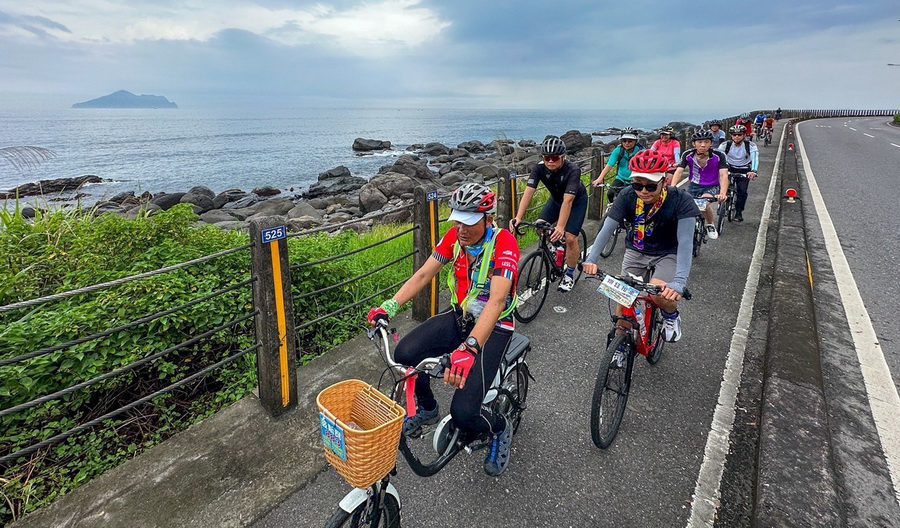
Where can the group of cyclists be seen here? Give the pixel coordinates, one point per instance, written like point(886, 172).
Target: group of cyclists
point(644, 195)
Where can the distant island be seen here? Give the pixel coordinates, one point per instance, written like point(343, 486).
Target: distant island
point(126, 99)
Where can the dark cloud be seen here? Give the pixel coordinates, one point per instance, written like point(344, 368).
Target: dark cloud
point(36, 25)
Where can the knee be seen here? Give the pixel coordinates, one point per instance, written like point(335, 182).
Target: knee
point(571, 240)
point(466, 414)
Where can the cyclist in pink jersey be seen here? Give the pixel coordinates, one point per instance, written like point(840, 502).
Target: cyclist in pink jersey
point(669, 148)
point(707, 174)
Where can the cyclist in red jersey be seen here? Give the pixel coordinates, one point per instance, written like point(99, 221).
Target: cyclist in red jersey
point(477, 328)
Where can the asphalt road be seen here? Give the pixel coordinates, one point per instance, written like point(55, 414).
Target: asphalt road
point(557, 477)
point(855, 161)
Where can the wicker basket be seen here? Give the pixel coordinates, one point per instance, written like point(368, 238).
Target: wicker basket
point(370, 424)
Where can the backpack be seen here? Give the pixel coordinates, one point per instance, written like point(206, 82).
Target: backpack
point(730, 143)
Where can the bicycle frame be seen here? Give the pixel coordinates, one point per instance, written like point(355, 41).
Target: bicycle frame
point(641, 331)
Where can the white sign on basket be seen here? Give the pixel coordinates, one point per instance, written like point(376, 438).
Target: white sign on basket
point(333, 437)
point(618, 291)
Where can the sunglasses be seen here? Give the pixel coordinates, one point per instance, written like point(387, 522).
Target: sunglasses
point(651, 187)
point(738, 134)
point(552, 159)
point(625, 140)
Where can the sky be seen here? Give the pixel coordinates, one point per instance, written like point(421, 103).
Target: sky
point(501, 54)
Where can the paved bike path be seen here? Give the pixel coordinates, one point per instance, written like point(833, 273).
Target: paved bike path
point(557, 477)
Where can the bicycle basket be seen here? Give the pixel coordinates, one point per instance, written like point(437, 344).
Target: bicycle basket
point(361, 430)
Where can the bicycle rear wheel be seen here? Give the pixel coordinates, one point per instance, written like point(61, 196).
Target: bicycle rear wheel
point(362, 515)
point(532, 287)
point(657, 340)
point(610, 393)
point(513, 393)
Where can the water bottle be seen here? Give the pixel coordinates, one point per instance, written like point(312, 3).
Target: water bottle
point(560, 254)
point(639, 315)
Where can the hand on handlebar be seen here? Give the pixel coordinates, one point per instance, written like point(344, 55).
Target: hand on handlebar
point(597, 183)
point(752, 175)
point(721, 197)
point(670, 294)
point(376, 315)
point(461, 362)
point(589, 268)
point(513, 223)
point(558, 233)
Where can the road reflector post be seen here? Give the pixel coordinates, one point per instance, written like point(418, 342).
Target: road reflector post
point(276, 358)
point(425, 238)
point(598, 196)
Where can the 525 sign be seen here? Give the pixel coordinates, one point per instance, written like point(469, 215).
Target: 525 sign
point(272, 234)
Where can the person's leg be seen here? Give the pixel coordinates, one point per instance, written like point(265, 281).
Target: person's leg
point(740, 190)
point(436, 336)
point(665, 273)
point(466, 408)
point(550, 212)
point(573, 228)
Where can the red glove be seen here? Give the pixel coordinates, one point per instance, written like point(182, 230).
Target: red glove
point(377, 313)
point(461, 361)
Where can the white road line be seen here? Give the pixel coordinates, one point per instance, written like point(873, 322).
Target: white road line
point(870, 135)
point(880, 389)
point(896, 145)
point(705, 499)
point(853, 129)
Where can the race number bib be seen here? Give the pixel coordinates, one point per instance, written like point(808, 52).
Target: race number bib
point(618, 291)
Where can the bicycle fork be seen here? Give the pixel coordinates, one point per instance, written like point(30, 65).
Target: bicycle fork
point(375, 494)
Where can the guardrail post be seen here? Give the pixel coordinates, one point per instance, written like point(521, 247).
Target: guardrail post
point(425, 238)
point(276, 358)
point(597, 195)
point(505, 198)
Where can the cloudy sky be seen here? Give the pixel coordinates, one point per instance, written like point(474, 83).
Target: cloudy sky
point(595, 54)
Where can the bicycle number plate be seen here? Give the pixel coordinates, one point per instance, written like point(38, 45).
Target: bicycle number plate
point(701, 204)
point(333, 437)
point(618, 291)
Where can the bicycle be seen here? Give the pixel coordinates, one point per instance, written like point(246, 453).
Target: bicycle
point(767, 136)
point(726, 208)
point(641, 332)
point(507, 394)
point(541, 268)
point(700, 225)
point(621, 228)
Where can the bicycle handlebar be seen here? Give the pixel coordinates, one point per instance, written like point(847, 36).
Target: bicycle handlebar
point(538, 225)
point(431, 366)
point(652, 289)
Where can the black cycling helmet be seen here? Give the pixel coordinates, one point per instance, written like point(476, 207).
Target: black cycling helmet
point(715, 122)
point(553, 146)
point(667, 130)
point(628, 133)
point(702, 134)
point(473, 198)
point(737, 129)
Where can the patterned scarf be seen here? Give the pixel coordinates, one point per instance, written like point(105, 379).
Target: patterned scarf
point(641, 229)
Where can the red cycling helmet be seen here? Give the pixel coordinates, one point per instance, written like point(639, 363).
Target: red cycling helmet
point(648, 162)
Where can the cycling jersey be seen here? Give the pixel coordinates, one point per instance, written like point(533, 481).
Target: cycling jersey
point(742, 157)
point(760, 118)
point(622, 158)
point(503, 263)
point(770, 122)
point(706, 176)
point(565, 180)
point(670, 150)
point(718, 138)
point(661, 230)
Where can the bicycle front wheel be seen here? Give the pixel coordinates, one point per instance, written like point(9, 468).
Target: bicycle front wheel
point(610, 244)
point(657, 339)
point(610, 393)
point(533, 286)
point(698, 236)
point(721, 215)
point(364, 514)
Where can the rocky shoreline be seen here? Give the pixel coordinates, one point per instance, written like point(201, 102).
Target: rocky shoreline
point(339, 196)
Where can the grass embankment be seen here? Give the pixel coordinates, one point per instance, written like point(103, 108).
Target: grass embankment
point(897, 120)
point(60, 251)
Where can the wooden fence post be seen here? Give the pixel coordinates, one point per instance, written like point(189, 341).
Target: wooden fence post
point(505, 198)
point(276, 358)
point(598, 195)
point(425, 238)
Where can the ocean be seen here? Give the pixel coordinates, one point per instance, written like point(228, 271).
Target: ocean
point(174, 150)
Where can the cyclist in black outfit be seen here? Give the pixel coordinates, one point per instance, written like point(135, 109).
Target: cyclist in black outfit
point(567, 205)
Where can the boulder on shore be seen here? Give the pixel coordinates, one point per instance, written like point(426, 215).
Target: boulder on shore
point(334, 181)
point(167, 201)
point(366, 145)
point(575, 141)
point(57, 185)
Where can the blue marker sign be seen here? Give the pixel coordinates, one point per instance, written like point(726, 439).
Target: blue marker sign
point(273, 233)
point(432, 196)
point(333, 437)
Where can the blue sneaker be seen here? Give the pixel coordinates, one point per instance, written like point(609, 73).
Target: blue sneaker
point(498, 457)
point(412, 427)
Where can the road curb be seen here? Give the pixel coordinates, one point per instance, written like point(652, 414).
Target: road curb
point(795, 482)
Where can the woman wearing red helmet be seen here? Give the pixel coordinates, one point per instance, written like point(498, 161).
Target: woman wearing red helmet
point(477, 328)
point(661, 234)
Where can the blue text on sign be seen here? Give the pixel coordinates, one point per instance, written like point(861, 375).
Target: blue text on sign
point(273, 233)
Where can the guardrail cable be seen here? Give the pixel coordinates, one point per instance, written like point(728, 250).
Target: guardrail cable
point(350, 307)
point(333, 227)
point(87, 425)
point(126, 368)
point(119, 282)
point(354, 279)
point(137, 322)
point(326, 260)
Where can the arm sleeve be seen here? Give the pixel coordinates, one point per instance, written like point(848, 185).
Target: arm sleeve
point(754, 157)
point(535, 176)
point(609, 226)
point(684, 256)
point(677, 151)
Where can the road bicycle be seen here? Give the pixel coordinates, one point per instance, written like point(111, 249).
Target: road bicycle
point(639, 330)
point(541, 268)
point(700, 237)
point(620, 229)
point(726, 208)
point(767, 136)
point(432, 447)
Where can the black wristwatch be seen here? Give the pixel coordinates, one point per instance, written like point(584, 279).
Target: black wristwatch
point(472, 343)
